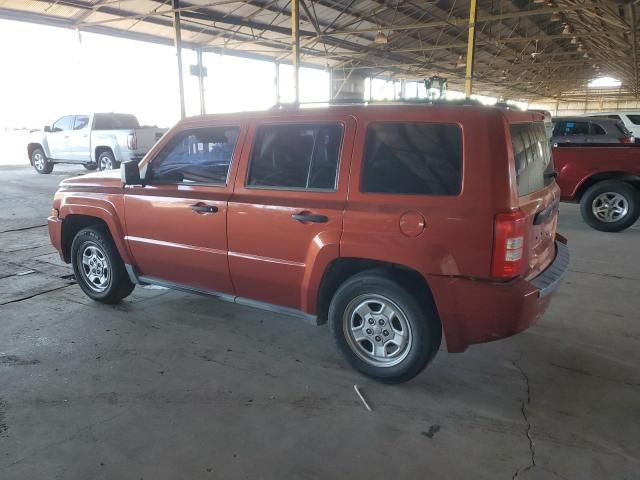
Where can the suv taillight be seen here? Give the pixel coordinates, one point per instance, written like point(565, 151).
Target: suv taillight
point(132, 141)
point(508, 240)
point(627, 139)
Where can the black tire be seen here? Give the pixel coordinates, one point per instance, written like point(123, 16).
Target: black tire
point(117, 284)
point(593, 199)
point(90, 166)
point(40, 161)
point(419, 314)
point(105, 159)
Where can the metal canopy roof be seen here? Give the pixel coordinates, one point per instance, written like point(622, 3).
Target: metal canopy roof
point(525, 49)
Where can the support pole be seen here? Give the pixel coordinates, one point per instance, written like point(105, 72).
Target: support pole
point(177, 36)
point(471, 48)
point(203, 110)
point(295, 47)
point(277, 81)
point(634, 49)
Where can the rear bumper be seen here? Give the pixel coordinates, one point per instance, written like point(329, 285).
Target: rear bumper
point(474, 311)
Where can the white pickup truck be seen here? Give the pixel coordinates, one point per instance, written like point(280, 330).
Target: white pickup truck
point(97, 140)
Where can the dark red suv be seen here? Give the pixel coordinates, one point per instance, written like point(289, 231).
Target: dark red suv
point(393, 223)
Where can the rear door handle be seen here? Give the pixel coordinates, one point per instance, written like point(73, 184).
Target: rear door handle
point(310, 217)
point(203, 208)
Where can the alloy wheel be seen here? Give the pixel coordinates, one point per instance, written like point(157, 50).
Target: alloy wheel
point(377, 330)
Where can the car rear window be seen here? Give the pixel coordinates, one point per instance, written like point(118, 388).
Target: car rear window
point(413, 158)
point(532, 156)
point(635, 119)
point(115, 121)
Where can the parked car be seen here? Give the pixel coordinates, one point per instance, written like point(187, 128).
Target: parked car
point(605, 180)
point(631, 120)
point(97, 140)
point(391, 223)
point(580, 130)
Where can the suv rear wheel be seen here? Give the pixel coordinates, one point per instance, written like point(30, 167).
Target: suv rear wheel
point(99, 270)
point(610, 206)
point(40, 161)
point(382, 329)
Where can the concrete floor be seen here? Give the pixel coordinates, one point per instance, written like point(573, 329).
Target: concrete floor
point(170, 385)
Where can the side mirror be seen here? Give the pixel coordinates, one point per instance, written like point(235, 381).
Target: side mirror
point(47, 128)
point(130, 173)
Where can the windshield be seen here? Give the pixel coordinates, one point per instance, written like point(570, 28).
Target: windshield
point(115, 121)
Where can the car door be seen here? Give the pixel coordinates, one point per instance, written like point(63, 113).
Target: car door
point(79, 139)
point(176, 222)
point(58, 138)
point(285, 216)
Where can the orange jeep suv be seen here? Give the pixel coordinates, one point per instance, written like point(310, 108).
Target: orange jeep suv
point(393, 223)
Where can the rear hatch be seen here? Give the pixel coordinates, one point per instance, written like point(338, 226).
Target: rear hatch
point(538, 195)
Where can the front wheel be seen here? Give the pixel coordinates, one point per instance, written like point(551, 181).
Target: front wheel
point(106, 161)
point(40, 161)
point(383, 330)
point(98, 268)
point(610, 206)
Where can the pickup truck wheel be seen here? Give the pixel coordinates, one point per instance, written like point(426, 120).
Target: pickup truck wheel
point(40, 162)
point(107, 162)
point(382, 329)
point(90, 166)
point(610, 206)
point(98, 268)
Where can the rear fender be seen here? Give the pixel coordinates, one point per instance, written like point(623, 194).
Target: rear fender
point(323, 250)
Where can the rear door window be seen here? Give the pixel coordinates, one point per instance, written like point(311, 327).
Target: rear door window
point(597, 129)
point(413, 158)
point(296, 156)
point(532, 156)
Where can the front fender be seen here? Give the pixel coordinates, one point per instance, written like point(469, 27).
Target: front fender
point(105, 210)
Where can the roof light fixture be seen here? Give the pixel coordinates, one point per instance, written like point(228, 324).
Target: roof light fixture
point(604, 82)
point(380, 38)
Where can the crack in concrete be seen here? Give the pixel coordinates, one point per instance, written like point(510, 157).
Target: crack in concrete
point(36, 294)
point(23, 228)
point(523, 411)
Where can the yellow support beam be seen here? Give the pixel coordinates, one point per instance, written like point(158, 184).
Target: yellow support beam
point(471, 48)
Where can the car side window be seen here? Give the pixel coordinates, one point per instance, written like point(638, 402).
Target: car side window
point(413, 158)
point(597, 129)
point(80, 122)
point(196, 156)
point(300, 156)
point(62, 124)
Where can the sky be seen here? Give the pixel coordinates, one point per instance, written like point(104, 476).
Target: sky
point(51, 72)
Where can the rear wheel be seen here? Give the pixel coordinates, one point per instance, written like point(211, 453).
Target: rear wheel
point(40, 161)
point(383, 330)
point(610, 206)
point(98, 268)
point(106, 161)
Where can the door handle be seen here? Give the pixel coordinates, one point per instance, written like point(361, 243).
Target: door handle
point(202, 208)
point(304, 217)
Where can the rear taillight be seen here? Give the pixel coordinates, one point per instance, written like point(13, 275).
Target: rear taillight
point(627, 139)
point(132, 141)
point(508, 240)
